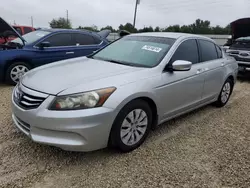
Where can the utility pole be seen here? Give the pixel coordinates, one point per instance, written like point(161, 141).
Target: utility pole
point(67, 13)
point(31, 19)
point(136, 5)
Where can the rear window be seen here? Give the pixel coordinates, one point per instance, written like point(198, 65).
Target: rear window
point(145, 51)
point(27, 30)
point(208, 51)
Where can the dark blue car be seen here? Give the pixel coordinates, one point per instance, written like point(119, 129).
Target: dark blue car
point(44, 46)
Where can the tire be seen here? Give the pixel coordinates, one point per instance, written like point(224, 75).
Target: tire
point(141, 110)
point(19, 68)
point(226, 92)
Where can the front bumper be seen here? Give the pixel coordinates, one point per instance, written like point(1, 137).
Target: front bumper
point(80, 130)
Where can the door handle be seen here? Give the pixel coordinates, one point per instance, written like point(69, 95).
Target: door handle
point(199, 71)
point(222, 64)
point(67, 53)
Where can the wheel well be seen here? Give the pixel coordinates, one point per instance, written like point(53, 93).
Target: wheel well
point(16, 60)
point(231, 78)
point(153, 107)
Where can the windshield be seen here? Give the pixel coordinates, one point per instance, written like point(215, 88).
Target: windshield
point(144, 51)
point(31, 37)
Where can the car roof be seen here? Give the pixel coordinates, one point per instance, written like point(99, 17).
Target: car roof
point(170, 35)
point(67, 30)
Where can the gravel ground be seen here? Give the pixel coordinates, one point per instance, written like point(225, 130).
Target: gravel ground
point(206, 148)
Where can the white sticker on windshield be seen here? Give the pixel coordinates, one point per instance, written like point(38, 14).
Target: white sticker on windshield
point(40, 34)
point(152, 48)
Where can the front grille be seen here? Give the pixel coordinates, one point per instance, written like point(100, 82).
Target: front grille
point(246, 59)
point(27, 101)
point(30, 102)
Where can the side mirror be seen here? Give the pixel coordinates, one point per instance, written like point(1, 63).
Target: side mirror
point(44, 44)
point(181, 65)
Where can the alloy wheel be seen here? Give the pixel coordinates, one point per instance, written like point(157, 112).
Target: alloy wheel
point(17, 72)
point(225, 92)
point(134, 127)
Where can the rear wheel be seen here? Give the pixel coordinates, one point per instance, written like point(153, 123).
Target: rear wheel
point(131, 126)
point(15, 71)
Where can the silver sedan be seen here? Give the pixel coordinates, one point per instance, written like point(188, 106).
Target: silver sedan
point(116, 95)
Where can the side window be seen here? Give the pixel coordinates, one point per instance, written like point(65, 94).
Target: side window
point(219, 52)
point(82, 39)
point(187, 51)
point(62, 39)
point(208, 51)
point(27, 30)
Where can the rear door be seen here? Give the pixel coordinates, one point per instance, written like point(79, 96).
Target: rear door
point(182, 90)
point(213, 68)
point(85, 44)
point(61, 47)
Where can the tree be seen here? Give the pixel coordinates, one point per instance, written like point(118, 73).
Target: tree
point(128, 27)
point(201, 27)
point(174, 28)
point(146, 29)
point(93, 28)
point(60, 23)
point(198, 27)
point(109, 28)
point(157, 29)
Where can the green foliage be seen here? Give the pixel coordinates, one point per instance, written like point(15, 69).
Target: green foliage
point(128, 27)
point(157, 29)
point(60, 23)
point(198, 27)
point(146, 29)
point(109, 28)
point(89, 28)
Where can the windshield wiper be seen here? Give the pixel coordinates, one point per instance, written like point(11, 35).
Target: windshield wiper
point(127, 63)
point(120, 62)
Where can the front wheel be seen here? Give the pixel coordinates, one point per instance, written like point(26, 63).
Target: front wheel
point(225, 93)
point(131, 126)
point(15, 71)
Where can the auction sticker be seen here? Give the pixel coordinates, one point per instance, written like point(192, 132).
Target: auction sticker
point(152, 48)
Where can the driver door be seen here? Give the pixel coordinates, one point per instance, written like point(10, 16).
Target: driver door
point(182, 90)
point(61, 47)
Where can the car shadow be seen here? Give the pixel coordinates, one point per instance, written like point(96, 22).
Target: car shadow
point(244, 76)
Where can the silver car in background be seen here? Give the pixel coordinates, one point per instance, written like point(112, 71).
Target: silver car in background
point(115, 96)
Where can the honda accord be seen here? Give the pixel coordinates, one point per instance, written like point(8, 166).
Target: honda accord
point(115, 96)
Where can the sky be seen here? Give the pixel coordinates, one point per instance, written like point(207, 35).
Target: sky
point(115, 12)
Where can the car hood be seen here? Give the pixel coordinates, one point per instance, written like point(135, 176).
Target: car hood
point(5, 27)
point(57, 77)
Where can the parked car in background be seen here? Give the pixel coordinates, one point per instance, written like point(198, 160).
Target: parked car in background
point(22, 30)
point(240, 50)
point(116, 95)
point(238, 46)
point(44, 46)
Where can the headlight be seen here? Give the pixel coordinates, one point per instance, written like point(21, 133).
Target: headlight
point(84, 100)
